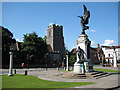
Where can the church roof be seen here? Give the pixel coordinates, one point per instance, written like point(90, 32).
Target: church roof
point(110, 47)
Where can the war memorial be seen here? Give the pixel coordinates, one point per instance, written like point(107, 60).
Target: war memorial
point(83, 69)
point(83, 63)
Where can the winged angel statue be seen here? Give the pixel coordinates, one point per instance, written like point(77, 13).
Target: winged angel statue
point(84, 20)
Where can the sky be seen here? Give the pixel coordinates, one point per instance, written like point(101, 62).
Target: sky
point(27, 17)
point(119, 24)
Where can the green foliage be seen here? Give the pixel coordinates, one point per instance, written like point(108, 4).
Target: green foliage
point(34, 48)
point(7, 40)
point(44, 39)
point(19, 56)
point(72, 59)
point(22, 81)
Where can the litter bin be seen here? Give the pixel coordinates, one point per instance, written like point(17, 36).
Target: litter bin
point(14, 71)
point(25, 72)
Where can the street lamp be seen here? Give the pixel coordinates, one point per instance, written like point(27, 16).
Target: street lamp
point(108, 59)
point(28, 57)
point(46, 60)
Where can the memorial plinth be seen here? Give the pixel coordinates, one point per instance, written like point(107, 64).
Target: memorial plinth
point(84, 43)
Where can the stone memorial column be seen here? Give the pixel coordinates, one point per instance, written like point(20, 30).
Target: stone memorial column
point(11, 64)
point(67, 68)
point(115, 59)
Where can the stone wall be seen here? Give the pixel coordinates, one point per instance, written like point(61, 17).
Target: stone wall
point(55, 40)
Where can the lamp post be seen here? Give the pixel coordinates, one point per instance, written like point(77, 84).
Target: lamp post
point(67, 68)
point(64, 63)
point(46, 60)
point(108, 59)
point(27, 61)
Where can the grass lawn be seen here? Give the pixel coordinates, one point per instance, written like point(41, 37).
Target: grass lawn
point(22, 81)
point(106, 70)
point(65, 70)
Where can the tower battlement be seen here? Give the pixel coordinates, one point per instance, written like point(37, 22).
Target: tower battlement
point(55, 40)
point(54, 25)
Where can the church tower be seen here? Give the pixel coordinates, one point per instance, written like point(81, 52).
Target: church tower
point(55, 42)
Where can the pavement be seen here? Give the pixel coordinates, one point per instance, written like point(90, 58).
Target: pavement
point(52, 75)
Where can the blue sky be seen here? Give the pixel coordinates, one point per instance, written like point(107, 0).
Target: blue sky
point(119, 24)
point(26, 17)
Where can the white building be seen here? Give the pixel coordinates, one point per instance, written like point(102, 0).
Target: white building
point(108, 51)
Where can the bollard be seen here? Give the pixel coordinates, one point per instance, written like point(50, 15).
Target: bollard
point(46, 69)
point(72, 67)
point(25, 72)
point(64, 68)
point(57, 68)
point(14, 71)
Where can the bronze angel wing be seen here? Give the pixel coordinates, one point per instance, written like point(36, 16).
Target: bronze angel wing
point(86, 15)
point(85, 9)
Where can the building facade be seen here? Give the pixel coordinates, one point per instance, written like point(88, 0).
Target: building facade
point(55, 42)
point(108, 51)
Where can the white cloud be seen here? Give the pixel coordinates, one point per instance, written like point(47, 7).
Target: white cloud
point(18, 40)
point(92, 43)
point(109, 43)
point(51, 23)
point(92, 30)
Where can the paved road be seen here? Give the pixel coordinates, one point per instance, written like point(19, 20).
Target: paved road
point(111, 68)
point(105, 82)
point(51, 74)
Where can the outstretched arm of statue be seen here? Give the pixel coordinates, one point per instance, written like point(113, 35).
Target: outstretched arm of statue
point(81, 17)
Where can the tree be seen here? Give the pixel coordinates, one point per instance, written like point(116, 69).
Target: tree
point(34, 49)
point(19, 56)
point(72, 56)
point(72, 59)
point(45, 38)
point(7, 40)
